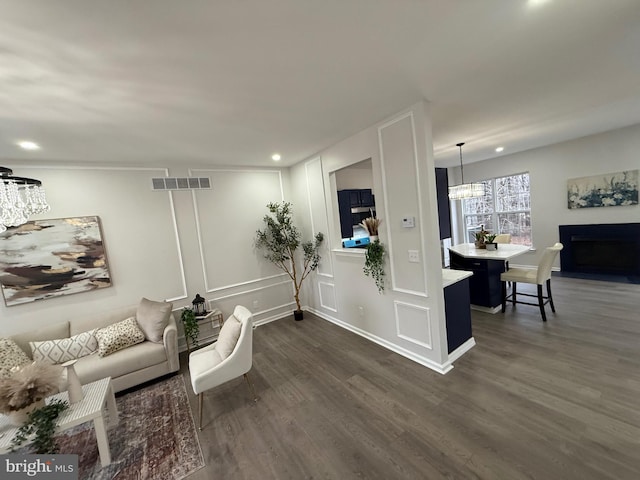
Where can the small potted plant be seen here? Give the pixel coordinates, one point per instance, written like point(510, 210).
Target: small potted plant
point(190, 324)
point(488, 240)
point(480, 237)
point(374, 263)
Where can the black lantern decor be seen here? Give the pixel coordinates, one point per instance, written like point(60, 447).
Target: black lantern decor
point(198, 306)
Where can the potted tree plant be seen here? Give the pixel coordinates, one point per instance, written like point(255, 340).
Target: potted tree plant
point(279, 242)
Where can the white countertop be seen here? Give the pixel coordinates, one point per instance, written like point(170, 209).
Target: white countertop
point(449, 277)
point(505, 251)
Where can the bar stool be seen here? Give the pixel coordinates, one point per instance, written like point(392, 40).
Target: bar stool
point(502, 238)
point(535, 276)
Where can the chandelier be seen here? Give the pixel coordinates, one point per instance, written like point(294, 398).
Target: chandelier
point(465, 190)
point(20, 198)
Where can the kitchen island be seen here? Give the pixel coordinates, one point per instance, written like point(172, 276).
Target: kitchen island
point(457, 312)
point(486, 265)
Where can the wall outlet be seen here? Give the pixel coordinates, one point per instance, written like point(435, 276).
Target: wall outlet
point(414, 256)
point(256, 304)
point(361, 310)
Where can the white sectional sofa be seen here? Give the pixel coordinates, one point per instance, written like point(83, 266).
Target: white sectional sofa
point(128, 367)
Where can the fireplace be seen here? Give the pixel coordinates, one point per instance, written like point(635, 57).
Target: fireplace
point(608, 249)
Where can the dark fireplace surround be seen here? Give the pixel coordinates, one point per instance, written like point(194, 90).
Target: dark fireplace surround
point(605, 249)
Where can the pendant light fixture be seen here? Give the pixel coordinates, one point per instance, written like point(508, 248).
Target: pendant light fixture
point(20, 198)
point(465, 190)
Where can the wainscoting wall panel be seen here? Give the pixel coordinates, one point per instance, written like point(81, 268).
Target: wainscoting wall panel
point(402, 199)
point(318, 213)
point(139, 231)
point(327, 295)
point(413, 323)
point(238, 198)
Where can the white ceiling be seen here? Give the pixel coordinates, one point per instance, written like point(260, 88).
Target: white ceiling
point(232, 81)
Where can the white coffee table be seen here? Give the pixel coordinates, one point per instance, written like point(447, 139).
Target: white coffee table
point(98, 400)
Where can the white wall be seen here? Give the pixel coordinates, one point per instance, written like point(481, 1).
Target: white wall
point(164, 245)
point(357, 176)
point(549, 169)
point(172, 245)
point(409, 317)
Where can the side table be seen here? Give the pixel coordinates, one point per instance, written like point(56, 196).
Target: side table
point(98, 400)
point(214, 315)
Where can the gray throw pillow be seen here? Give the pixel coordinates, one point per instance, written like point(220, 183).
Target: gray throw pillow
point(153, 318)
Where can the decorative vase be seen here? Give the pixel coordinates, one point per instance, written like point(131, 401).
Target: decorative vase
point(18, 418)
point(373, 238)
point(74, 387)
point(492, 246)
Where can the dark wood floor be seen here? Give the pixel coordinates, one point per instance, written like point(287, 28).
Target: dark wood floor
point(559, 400)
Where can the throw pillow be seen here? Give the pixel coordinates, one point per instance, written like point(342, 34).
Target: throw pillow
point(118, 336)
point(64, 349)
point(228, 337)
point(11, 355)
point(153, 318)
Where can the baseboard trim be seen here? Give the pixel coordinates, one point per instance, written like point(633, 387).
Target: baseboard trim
point(271, 318)
point(440, 368)
point(462, 349)
point(491, 310)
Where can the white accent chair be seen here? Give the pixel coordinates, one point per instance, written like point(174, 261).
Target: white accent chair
point(535, 276)
point(228, 358)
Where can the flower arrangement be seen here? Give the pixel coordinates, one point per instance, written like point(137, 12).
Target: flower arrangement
point(371, 224)
point(27, 385)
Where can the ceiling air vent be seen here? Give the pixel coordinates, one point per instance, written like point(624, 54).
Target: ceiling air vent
point(181, 183)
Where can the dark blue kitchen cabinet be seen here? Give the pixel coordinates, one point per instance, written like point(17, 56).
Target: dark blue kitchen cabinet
point(353, 199)
point(457, 314)
point(444, 209)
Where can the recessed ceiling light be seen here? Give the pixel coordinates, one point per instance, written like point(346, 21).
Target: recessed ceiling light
point(499, 149)
point(275, 156)
point(28, 145)
point(537, 3)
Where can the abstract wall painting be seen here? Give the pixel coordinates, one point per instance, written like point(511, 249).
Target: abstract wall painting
point(48, 258)
point(606, 190)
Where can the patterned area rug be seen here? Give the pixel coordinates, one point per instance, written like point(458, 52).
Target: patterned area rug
point(155, 438)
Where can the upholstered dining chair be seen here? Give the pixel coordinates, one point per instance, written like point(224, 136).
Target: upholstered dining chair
point(536, 276)
point(502, 238)
point(228, 358)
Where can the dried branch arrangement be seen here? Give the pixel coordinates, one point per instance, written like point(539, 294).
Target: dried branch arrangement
point(371, 224)
point(28, 384)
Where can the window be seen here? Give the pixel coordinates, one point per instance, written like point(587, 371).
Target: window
point(505, 208)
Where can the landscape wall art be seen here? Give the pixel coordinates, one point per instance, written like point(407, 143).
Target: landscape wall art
point(49, 258)
point(606, 190)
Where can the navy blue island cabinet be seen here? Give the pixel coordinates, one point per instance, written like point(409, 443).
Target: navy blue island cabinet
point(458, 313)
